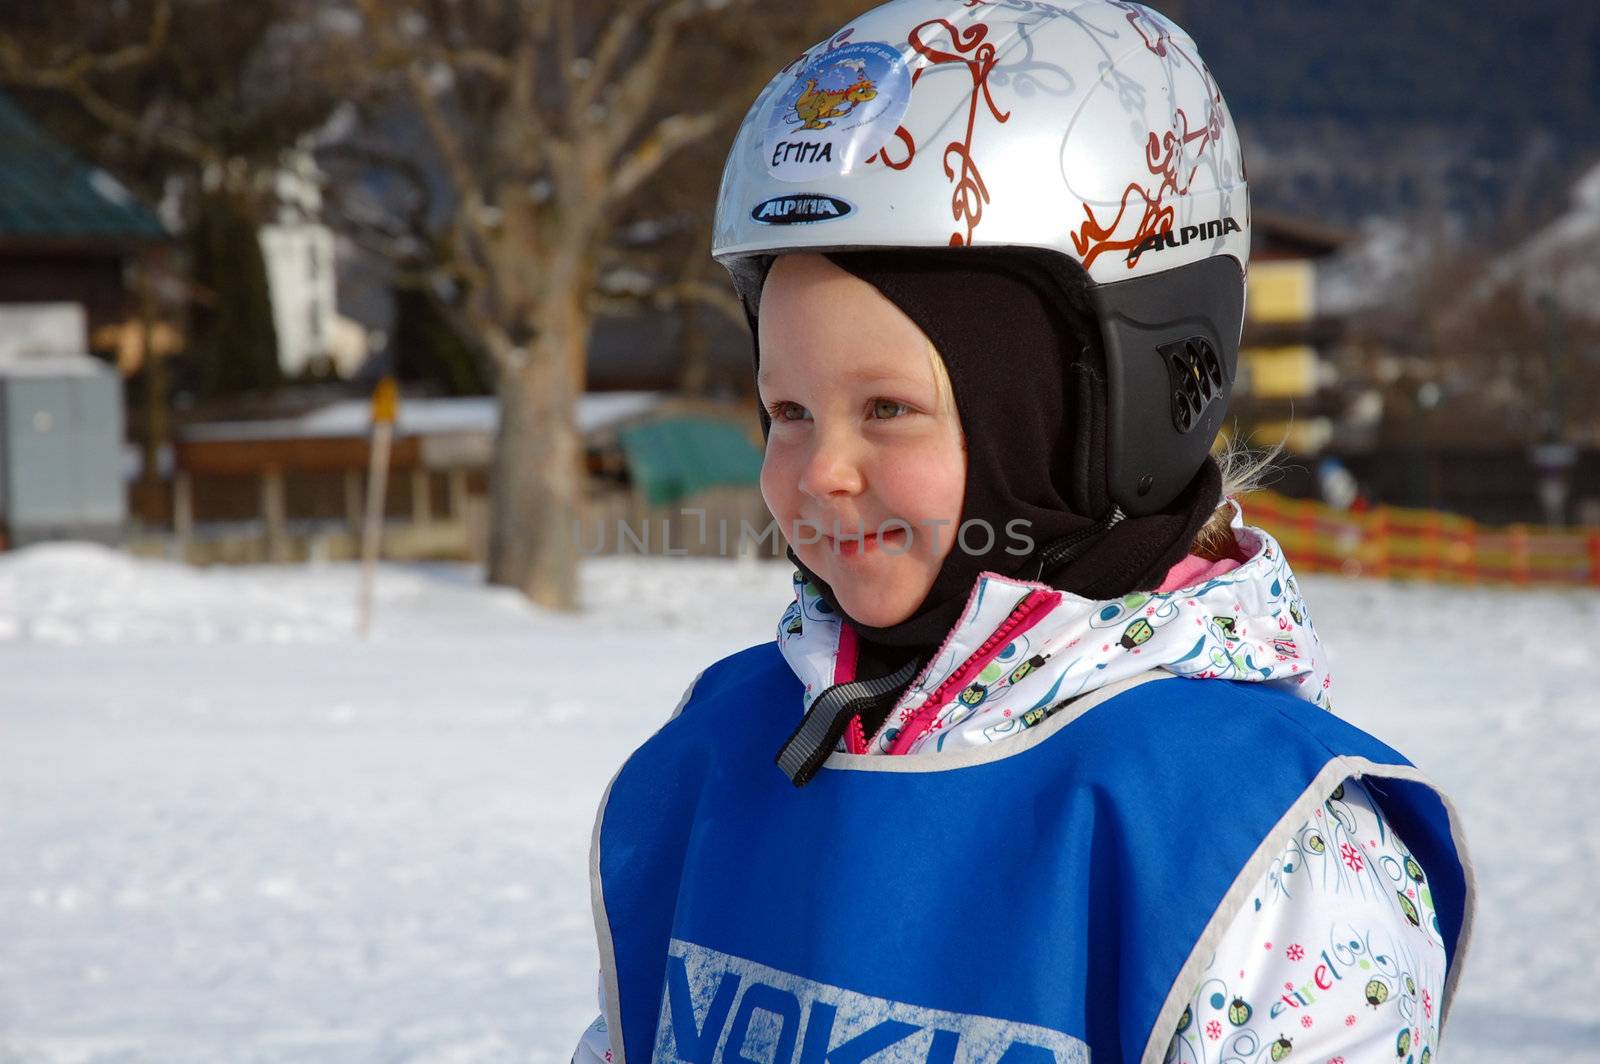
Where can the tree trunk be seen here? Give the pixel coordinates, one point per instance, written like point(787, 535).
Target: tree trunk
point(234, 330)
point(155, 383)
point(537, 477)
point(694, 377)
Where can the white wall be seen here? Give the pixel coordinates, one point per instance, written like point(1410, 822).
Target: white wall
point(28, 330)
point(300, 273)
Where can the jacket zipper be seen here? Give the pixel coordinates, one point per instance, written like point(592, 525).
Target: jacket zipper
point(1026, 613)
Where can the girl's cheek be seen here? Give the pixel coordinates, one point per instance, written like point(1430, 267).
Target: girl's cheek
point(772, 482)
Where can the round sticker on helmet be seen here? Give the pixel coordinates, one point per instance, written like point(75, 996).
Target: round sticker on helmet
point(843, 106)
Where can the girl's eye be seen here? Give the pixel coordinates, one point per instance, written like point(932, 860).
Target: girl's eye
point(783, 410)
point(887, 409)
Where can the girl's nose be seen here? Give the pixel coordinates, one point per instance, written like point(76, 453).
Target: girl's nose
point(832, 467)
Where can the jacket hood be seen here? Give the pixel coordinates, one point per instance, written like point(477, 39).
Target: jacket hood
point(1021, 649)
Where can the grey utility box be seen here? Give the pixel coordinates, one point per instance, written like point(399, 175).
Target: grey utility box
point(61, 457)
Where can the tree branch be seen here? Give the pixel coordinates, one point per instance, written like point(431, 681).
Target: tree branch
point(73, 77)
point(477, 60)
point(403, 166)
point(717, 297)
point(669, 136)
point(529, 134)
point(619, 29)
point(119, 120)
point(636, 90)
point(566, 44)
point(448, 25)
point(82, 66)
point(468, 216)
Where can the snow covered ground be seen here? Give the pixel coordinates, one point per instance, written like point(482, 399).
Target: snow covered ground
point(229, 831)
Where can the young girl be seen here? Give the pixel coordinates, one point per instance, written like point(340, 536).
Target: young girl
point(1055, 774)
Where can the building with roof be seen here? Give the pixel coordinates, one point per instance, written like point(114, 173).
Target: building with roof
point(68, 231)
point(1284, 368)
point(67, 228)
point(292, 487)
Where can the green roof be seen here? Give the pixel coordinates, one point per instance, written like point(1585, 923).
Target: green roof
point(47, 192)
point(673, 458)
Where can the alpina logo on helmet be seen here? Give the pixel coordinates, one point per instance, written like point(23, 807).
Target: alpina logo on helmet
point(798, 210)
point(1168, 239)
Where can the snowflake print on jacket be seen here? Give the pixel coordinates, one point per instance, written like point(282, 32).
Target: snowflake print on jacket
point(1359, 973)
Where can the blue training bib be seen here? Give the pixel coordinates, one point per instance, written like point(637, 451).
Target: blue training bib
point(744, 920)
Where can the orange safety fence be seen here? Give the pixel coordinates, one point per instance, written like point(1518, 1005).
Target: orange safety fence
point(1388, 541)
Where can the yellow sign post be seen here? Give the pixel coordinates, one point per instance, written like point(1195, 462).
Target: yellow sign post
point(385, 412)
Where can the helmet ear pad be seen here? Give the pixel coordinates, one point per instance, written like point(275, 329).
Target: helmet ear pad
point(1172, 354)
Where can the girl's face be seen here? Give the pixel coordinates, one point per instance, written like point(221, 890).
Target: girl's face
point(865, 467)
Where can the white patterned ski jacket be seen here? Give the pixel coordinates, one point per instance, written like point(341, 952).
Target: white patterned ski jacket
point(1325, 963)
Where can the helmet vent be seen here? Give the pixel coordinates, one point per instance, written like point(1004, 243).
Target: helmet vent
point(1197, 381)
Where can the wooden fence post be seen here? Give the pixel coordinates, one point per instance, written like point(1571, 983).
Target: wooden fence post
point(457, 479)
point(1305, 524)
point(275, 510)
point(1379, 526)
point(182, 514)
point(1430, 547)
point(421, 497)
point(1521, 564)
point(353, 494)
point(1474, 571)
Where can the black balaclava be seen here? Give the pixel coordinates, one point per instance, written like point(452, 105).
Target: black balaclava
point(1026, 367)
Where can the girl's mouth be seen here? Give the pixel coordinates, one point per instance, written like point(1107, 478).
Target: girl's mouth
point(871, 543)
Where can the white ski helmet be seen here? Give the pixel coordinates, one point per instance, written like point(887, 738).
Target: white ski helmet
point(1088, 131)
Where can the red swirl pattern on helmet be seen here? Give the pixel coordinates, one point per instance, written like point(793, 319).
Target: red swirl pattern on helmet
point(1165, 152)
point(971, 48)
point(1139, 18)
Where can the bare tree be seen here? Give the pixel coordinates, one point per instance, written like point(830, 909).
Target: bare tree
point(549, 118)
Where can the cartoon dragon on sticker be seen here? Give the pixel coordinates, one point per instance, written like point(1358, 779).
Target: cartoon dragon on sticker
point(815, 105)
